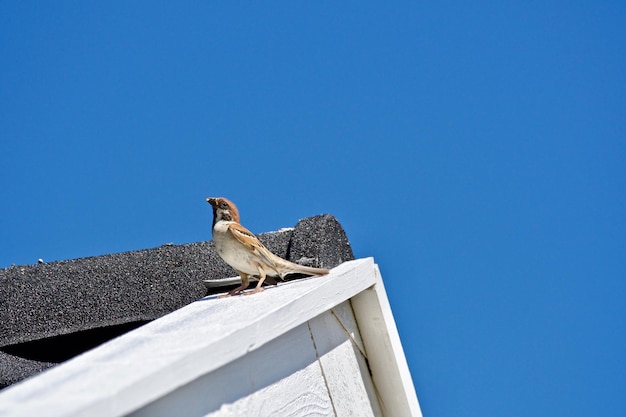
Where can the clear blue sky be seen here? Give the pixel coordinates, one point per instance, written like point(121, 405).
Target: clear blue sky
point(477, 150)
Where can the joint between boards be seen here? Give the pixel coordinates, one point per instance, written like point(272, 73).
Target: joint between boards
point(319, 362)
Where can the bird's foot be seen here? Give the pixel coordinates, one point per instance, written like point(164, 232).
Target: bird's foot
point(256, 290)
point(236, 291)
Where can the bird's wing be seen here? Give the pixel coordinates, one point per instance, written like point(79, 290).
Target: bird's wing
point(244, 236)
point(248, 239)
point(281, 266)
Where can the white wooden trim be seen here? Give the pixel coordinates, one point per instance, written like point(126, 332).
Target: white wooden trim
point(282, 378)
point(146, 364)
point(390, 371)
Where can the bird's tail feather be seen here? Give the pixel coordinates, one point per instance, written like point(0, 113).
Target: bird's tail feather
point(293, 268)
point(285, 267)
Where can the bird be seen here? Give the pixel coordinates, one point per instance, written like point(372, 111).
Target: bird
point(245, 253)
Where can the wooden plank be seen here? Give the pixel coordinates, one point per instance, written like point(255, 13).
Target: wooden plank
point(390, 371)
point(343, 364)
point(281, 378)
point(300, 394)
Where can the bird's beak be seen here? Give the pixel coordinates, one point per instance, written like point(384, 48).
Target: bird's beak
point(210, 200)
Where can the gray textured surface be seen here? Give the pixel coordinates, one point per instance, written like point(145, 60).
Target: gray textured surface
point(54, 301)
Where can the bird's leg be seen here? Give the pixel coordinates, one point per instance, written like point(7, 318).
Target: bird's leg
point(261, 279)
point(244, 284)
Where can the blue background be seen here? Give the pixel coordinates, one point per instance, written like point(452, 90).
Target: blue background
point(475, 149)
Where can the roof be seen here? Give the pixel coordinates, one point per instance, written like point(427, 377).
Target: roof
point(168, 354)
point(53, 311)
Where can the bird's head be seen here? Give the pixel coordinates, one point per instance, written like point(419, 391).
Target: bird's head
point(223, 209)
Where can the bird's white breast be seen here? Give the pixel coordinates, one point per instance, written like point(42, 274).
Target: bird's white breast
point(232, 251)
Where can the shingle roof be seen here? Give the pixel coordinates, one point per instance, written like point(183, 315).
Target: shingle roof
point(338, 350)
point(53, 311)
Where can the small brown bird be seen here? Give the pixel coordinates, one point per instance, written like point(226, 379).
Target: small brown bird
point(241, 249)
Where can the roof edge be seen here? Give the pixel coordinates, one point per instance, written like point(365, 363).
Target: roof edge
point(129, 372)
